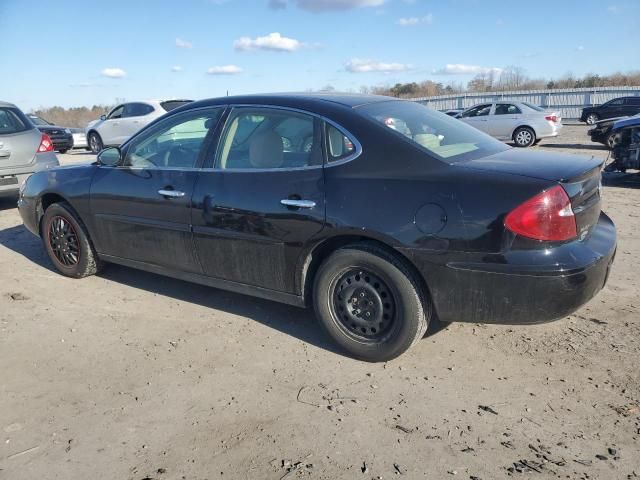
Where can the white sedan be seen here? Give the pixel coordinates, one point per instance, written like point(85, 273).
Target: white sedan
point(522, 123)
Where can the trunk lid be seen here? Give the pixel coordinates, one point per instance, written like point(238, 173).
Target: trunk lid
point(580, 176)
point(19, 149)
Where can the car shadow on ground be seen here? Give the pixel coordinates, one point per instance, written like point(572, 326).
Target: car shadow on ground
point(8, 202)
point(577, 146)
point(621, 180)
point(297, 322)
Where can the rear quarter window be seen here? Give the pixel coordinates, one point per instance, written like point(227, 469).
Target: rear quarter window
point(12, 121)
point(173, 104)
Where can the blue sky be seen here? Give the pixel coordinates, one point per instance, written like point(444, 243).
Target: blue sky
point(75, 53)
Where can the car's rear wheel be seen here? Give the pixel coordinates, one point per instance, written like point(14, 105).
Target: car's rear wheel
point(612, 140)
point(95, 142)
point(524, 137)
point(592, 118)
point(63, 151)
point(67, 242)
point(370, 303)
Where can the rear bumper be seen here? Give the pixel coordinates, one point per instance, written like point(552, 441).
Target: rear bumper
point(63, 143)
point(523, 293)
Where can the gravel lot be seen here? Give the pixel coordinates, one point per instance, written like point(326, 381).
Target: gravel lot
point(129, 375)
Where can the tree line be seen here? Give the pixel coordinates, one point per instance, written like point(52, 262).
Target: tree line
point(510, 78)
point(72, 117)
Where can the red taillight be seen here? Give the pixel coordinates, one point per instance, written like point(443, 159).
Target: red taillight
point(551, 118)
point(46, 145)
point(547, 216)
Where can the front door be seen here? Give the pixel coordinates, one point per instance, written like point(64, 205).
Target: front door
point(478, 116)
point(254, 212)
point(142, 208)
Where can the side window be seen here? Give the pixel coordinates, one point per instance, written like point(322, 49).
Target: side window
point(615, 103)
point(137, 109)
point(479, 111)
point(339, 146)
point(116, 113)
point(265, 138)
point(506, 109)
point(10, 122)
point(175, 142)
point(633, 101)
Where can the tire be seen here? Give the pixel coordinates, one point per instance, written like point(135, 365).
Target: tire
point(67, 242)
point(63, 151)
point(362, 279)
point(612, 140)
point(95, 142)
point(524, 137)
point(592, 118)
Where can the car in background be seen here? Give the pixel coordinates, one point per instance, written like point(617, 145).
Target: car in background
point(60, 136)
point(522, 123)
point(602, 131)
point(79, 138)
point(23, 149)
point(379, 212)
point(618, 107)
point(125, 120)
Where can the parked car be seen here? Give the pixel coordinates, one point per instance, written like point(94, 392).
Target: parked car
point(602, 131)
point(313, 199)
point(626, 146)
point(23, 149)
point(522, 123)
point(125, 120)
point(60, 136)
point(618, 107)
point(79, 138)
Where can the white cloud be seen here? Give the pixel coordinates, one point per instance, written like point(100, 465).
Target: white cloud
point(327, 5)
point(580, 48)
point(411, 21)
point(181, 43)
point(274, 41)
point(359, 65)
point(176, 68)
point(224, 70)
point(462, 69)
point(113, 72)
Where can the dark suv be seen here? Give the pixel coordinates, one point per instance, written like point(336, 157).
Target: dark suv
point(618, 107)
point(61, 137)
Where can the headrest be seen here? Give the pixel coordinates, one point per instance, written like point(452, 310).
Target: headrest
point(265, 150)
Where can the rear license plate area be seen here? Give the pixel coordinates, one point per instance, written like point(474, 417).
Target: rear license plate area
point(8, 181)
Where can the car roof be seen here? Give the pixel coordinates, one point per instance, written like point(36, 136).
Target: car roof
point(7, 104)
point(350, 100)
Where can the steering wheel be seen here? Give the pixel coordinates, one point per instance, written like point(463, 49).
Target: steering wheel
point(177, 152)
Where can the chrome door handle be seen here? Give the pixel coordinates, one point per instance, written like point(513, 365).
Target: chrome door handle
point(298, 203)
point(171, 193)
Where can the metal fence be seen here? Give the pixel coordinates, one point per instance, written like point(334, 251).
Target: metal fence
point(568, 101)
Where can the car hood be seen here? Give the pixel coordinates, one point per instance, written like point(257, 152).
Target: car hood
point(541, 165)
point(93, 123)
point(627, 122)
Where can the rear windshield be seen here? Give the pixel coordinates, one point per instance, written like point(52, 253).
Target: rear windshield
point(37, 120)
point(12, 121)
point(442, 136)
point(534, 107)
point(172, 104)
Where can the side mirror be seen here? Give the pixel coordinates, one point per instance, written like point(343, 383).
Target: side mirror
point(109, 157)
point(103, 117)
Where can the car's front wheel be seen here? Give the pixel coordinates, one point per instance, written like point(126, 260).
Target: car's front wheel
point(592, 118)
point(95, 142)
point(370, 303)
point(67, 242)
point(524, 137)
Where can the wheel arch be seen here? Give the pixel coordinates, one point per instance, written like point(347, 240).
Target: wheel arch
point(45, 201)
point(523, 125)
point(311, 260)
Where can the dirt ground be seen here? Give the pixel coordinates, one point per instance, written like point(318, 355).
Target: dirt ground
point(129, 375)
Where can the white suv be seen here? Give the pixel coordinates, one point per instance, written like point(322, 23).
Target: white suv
point(125, 120)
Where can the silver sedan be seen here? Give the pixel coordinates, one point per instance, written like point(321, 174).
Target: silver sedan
point(522, 123)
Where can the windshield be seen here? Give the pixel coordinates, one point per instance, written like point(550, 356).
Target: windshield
point(535, 107)
point(442, 136)
point(37, 120)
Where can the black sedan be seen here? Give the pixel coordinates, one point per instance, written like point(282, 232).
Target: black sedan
point(379, 212)
point(61, 137)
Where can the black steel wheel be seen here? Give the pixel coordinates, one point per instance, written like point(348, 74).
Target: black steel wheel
point(370, 301)
point(67, 242)
point(64, 241)
point(363, 304)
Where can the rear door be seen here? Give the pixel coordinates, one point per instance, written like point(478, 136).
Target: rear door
point(142, 208)
point(133, 119)
point(504, 120)
point(258, 207)
point(478, 116)
point(19, 140)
